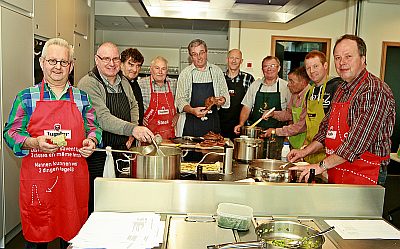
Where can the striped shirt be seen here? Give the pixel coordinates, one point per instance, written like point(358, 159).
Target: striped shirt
point(191, 74)
point(247, 79)
point(144, 84)
point(371, 118)
point(15, 130)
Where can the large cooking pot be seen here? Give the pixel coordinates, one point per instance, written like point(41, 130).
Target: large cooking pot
point(268, 170)
point(155, 165)
point(247, 149)
point(251, 132)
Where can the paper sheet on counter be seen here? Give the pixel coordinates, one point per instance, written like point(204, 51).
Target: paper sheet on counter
point(120, 230)
point(364, 229)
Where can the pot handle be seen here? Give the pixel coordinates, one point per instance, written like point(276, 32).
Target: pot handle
point(252, 145)
point(249, 244)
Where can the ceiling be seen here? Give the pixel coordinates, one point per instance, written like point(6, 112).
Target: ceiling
point(193, 15)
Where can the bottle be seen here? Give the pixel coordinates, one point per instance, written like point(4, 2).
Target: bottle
point(228, 160)
point(311, 177)
point(285, 151)
point(273, 146)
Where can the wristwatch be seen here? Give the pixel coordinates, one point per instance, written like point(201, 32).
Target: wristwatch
point(322, 165)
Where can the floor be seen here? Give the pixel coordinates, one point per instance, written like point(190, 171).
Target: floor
point(18, 243)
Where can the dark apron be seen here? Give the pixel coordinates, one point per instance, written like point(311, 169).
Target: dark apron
point(229, 118)
point(265, 101)
point(195, 126)
point(118, 104)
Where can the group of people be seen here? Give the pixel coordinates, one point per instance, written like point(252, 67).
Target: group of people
point(340, 125)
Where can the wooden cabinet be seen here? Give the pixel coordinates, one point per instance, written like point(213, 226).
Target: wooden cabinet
point(82, 61)
point(82, 15)
point(26, 5)
point(16, 71)
point(65, 17)
point(45, 18)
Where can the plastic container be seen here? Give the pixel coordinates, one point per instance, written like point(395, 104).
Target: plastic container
point(234, 216)
point(285, 151)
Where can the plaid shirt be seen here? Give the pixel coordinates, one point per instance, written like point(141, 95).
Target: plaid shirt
point(247, 79)
point(371, 118)
point(15, 130)
point(144, 84)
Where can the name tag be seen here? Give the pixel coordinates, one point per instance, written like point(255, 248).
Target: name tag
point(232, 92)
point(163, 111)
point(331, 134)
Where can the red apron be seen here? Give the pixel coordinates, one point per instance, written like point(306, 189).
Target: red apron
point(54, 187)
point(158, 116)
point(365, 169)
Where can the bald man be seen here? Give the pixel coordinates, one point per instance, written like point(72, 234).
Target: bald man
point(238, 82)
point(116, 107)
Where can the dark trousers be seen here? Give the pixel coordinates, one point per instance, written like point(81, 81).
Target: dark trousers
point(30, 245)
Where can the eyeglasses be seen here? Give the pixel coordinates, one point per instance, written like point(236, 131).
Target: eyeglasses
point(108, 59)
point(54, 62)
point(201, 53)
point(270, 66)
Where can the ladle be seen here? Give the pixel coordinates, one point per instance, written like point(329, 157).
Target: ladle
point(145, 151)
point(156, 140)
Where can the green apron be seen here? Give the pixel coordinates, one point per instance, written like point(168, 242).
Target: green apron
point(297, 140)
point(315, 114)
point(265, 101)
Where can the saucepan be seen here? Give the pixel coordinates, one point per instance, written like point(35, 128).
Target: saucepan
point(271, 170)
point(251, 132)
point(278, 235)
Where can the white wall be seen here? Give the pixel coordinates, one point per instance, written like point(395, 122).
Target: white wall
point(328, 20)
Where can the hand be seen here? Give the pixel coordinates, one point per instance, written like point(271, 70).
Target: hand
point(305, 171)
point(88, 147)
point(175, 120)
point(129, 142)
point(295, 154)
point(143, 134)
point(267, 133)
point(265, 116)
point(236, 129)
point(44, 146)
point(220, 101)
point(199, 111)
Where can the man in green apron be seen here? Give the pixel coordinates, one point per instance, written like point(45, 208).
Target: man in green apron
point(318, 97)
point(295, 112)
point(263, 94)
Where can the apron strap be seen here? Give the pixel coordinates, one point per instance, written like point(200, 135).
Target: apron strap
point(71, 96)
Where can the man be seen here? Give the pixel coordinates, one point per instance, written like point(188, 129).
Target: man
point(319, 97)
point(116, 108)
point(356, 131)
point(263, 94)
point(196, 83)
point(238, 82)
point(158, 99)
point(131, 63)
point(53, 180)
point(295, 112)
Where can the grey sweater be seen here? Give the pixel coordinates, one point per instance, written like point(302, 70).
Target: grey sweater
point(91, 84)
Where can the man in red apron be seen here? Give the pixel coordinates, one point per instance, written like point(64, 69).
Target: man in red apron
point(54, 183)
point(357, 129)
point(158, 99)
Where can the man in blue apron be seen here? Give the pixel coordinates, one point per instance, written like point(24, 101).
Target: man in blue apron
point(195, 84)
point(238, 82)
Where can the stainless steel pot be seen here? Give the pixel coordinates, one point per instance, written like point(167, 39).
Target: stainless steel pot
point(247, 149)
point(251, 132)
point(157, 166)
point(268, 170)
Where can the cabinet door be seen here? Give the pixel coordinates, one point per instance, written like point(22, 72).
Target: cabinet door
point(23, 4)
point(17, 74)
point(81, 52)
point(45, 18)
point(65, 20)
point(82, 15)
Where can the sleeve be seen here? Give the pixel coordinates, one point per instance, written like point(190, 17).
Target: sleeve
point(183, 90)
point(286, 114)
point(15, 130)
point(92, 127)
point(296, 128)
point(132, 102)
point(223, 88)
point(107, 121)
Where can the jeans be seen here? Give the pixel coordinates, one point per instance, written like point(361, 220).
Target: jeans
point(31, 245)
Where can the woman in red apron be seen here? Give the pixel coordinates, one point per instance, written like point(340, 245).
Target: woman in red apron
point(54, 187)
point(160, 113)
point(365, 169)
